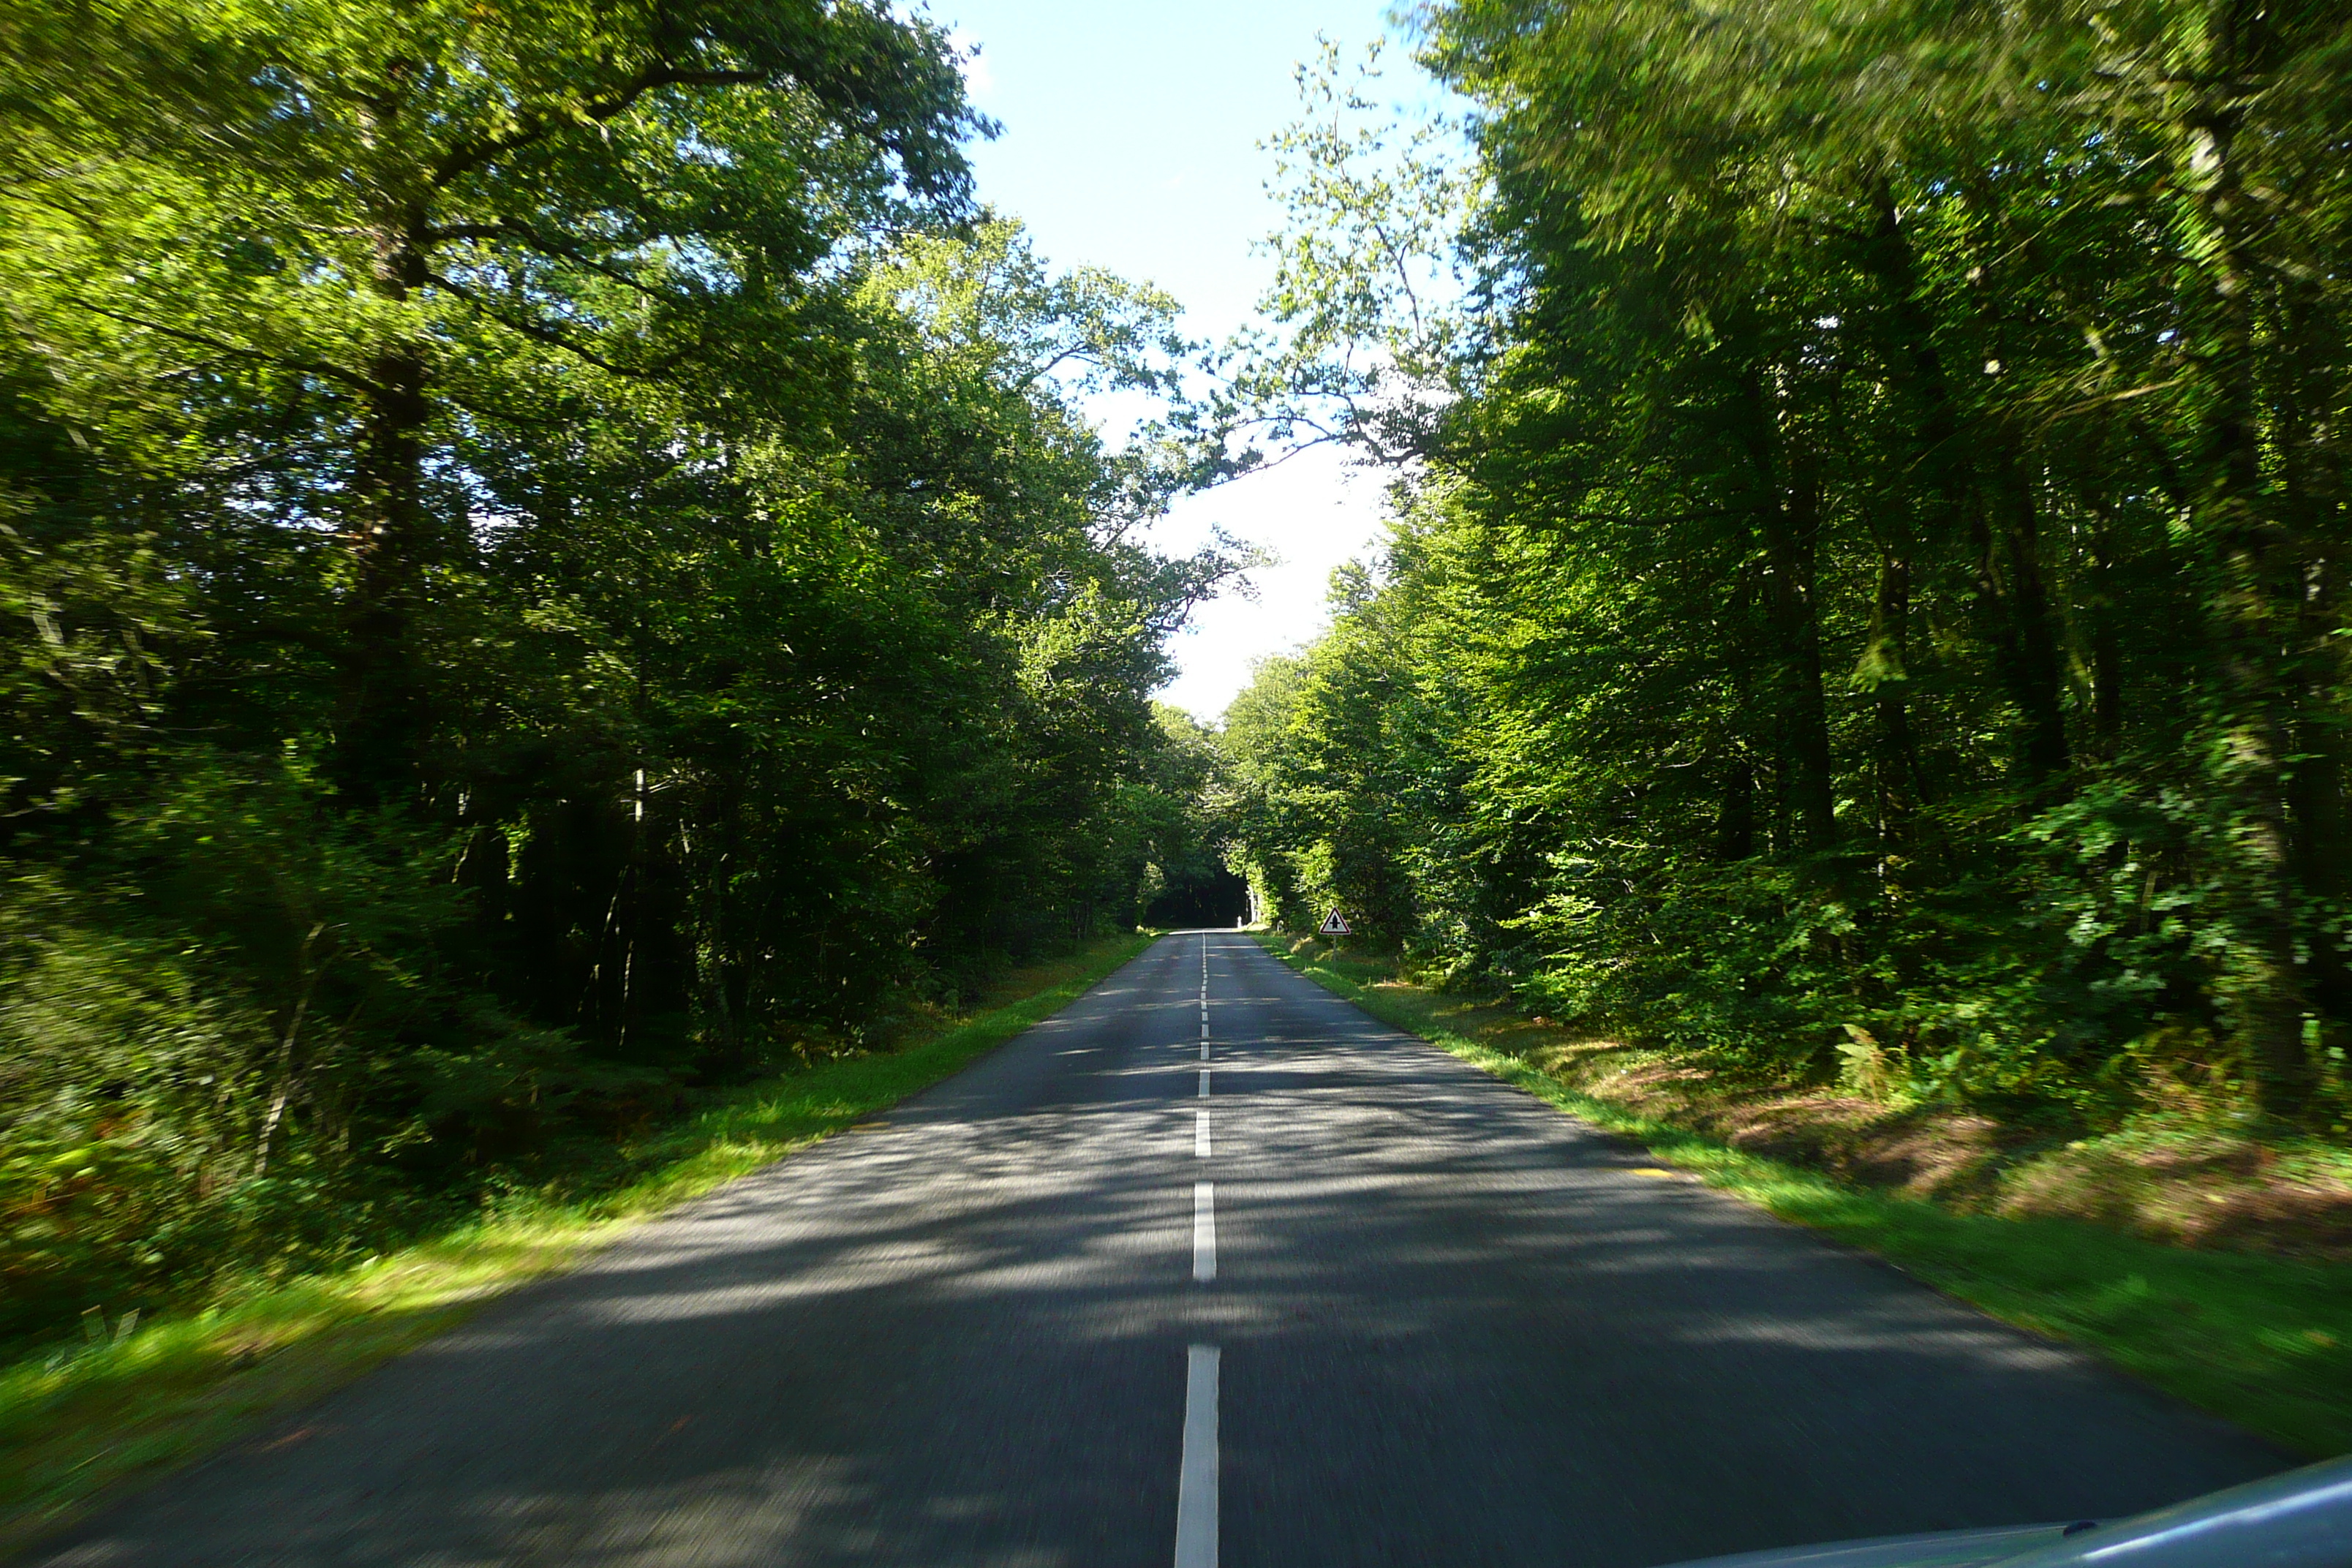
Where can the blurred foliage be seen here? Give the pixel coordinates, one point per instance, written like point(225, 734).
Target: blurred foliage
point(1867, 594)
point(549, 556)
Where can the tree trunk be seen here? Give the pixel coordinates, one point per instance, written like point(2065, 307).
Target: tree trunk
point(1885, 671)
point(2005, 565)
point(1735, 825)
point(380, 717)
point(2314, 501)
point(2107, 648)
point(1788, 518)
point(2316, 802)
point(2254, 608)
point(2037, 680)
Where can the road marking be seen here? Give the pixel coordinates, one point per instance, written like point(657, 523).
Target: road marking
point(1204, 1083)
point(1204, 1050)
point(1200, 1135)
point(1205, 1231)
point(1196, 1478)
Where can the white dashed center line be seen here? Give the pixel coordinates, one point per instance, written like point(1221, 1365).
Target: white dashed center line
point(1204, 998)
point(1196, 1480)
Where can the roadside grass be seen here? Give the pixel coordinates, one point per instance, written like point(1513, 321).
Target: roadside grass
point(2263, 1341)
point(77, 1422)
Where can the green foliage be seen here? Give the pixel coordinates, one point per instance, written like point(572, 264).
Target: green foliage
point(548, 557)
point(1866, 602)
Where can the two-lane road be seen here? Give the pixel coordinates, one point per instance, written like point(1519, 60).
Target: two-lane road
point(1210, 1266)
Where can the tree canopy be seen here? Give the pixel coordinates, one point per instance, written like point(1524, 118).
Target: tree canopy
point(1867, 591)
point(551, 555)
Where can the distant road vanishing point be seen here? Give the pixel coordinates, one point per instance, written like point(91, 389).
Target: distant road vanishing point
point(1209, 1268)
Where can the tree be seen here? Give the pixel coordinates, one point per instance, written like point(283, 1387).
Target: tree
point(552, 558)
point(1871, 541)
point(389, 221)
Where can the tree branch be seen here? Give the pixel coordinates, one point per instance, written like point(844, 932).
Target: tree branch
point(465, 158)
point(310, 367)
point(540, 332)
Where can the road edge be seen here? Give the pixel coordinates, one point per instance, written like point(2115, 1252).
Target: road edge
point(78, 1437)
point(2128, 1326)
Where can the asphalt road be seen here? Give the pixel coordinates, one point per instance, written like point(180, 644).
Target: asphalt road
point(1396, 1312)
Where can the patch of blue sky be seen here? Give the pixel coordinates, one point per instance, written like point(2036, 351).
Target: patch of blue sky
point(1131, 141)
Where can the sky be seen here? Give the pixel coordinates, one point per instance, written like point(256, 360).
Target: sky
point(1130, 135)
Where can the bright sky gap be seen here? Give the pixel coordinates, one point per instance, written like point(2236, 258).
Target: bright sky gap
point(1131, 142)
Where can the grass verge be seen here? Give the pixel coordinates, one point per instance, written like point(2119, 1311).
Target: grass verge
point(73, 1427)
point(2263, 1341)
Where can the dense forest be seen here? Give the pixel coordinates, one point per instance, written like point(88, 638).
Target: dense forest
point(553, 556)
point(1867, 594)
point(550, 555)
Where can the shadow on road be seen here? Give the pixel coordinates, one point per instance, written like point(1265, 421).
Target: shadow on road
point(1456, 1328)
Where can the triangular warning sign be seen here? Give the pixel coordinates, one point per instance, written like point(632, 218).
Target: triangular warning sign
point(1334, 924)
